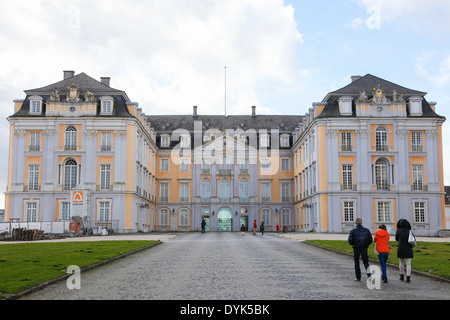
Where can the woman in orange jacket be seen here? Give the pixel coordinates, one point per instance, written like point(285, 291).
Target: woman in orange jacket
point(382, 241)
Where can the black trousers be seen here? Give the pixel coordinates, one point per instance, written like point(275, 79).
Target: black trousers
point(357, 252)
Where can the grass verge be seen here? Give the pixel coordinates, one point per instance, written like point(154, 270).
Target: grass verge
point(25, 265)
point(429, 257)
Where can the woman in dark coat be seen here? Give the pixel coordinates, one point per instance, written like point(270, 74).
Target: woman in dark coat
point(404, 250)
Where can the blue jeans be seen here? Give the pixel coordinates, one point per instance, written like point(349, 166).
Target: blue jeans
point(383, 256)
point(365, 258)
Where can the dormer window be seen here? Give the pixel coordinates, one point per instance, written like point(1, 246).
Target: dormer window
point(284, 140)
point(35, 105)
point(165, 141)
point(107, 104)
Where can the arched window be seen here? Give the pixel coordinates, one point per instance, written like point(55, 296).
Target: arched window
point(184, 217)
point(70, 174)
point(206, 190)
point(164, 217)
point(225, 190)
point(381, 139)
point(382, 174)
point(70, 139)
point(243, 190)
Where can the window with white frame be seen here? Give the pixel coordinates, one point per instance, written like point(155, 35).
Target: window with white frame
point(284, 140)
point(347, 177)
point(70, 138)
point(185, 141)
point(184, 191)
point(266, 191)
point(35, 141)
point(70, 171)
point(106, 105)
point(65, 210)
point(264, 140)
point(382, 174)
point(184, 217)
point(285, 217)
point(419, 211)
point(164, 217)
point(165, 141)
point(35, 105)
point(225, 190)
point(265, 164)
point(164, 165)
point(243, 190)
point(285, 191)
point(384, 211)
point(31, 211)
point(104, 210)
point(417, 177)
point(106, 141)
point(348, 208)
point(206, 190)
point(285, 164)
point(381, 140)
point(105, 176)
point(184, 165)
point(164, 191)
point(346, 141)
point(416, 141)
point(265, 216)
point(33, 177)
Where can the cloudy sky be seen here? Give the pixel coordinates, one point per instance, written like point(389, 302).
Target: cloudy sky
point(169, 55)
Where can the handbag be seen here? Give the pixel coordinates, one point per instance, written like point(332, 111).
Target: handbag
point(412, 239)
point(375, 248)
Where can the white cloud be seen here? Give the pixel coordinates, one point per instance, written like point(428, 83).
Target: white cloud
point(434, 67)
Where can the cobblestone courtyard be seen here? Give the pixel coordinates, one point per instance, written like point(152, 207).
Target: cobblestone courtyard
point(228, 266)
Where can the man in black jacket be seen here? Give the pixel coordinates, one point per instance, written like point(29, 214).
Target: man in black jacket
point(360, 238)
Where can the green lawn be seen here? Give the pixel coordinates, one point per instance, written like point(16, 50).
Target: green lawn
point(24, 265)
point(429, 257)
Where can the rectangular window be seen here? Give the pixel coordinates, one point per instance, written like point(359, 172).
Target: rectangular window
point(346, 141)
point(35, 106)
point(265, 216)
point(165, 141)
point(35, 141)
point(347, 177)
point(285, 192)
point(164, 192)
point(419, 211)
point(417, 171)
point(105, 177)
point(266, 192)
point(164, 217)
point(164, 164)
point(65, 211)
point(416, 141)
point(106, 141)
point(384, 211)
point(285, 164)
point(184, 165)
point(265, 165)
point(106, 106)
point(104, 211)
point(33, 177)
point(184, 217)
point(349, 211)
point(31, 211)
point(284, 141)
point(184, 192)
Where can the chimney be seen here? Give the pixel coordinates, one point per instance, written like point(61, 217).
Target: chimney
point(253, 111)
point(105, 80)
point(68, 74)
point(194, 114)
point(354, 78)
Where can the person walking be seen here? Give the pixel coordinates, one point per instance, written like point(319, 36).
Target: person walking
point(381, 240)
point(261, 227)
point(203, 225)
point(254, 227)
point(278, 228)
point(243, 229)
point(360, 238)
point(404, 250)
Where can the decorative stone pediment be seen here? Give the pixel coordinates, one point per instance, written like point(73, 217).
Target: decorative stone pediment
point(73, 95)
point(379, 97)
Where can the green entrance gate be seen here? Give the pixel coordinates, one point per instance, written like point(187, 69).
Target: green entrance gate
point(224, 219)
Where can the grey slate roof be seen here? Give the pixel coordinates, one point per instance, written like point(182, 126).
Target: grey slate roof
point(367, 83)
point(84, 83)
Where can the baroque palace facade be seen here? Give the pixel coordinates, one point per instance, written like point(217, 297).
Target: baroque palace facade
point(372, 149)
